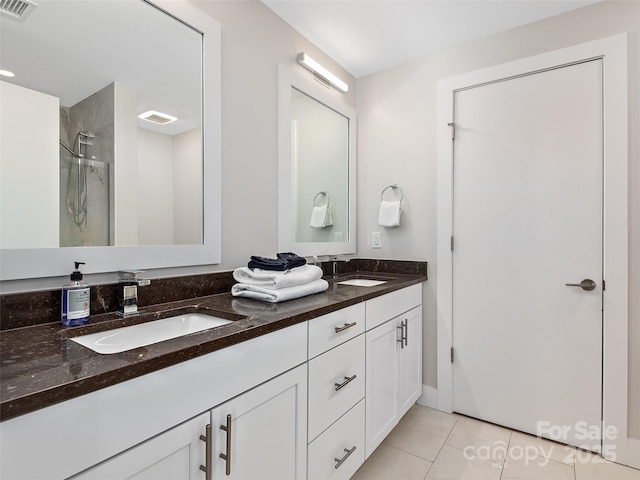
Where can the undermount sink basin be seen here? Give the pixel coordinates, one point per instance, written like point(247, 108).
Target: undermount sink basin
point(127, 338)
point(362, 282)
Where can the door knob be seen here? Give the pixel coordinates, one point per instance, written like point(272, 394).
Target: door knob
point(586, 284)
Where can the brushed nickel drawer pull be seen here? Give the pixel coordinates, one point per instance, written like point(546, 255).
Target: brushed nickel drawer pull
point(346, 325)
point(401, 339)
point(346, 455)
point(406, 331)
point(227, 457)
point(346, 381)
point(206, 468)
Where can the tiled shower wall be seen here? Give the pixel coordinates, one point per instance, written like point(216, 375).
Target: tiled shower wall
point(95, 114)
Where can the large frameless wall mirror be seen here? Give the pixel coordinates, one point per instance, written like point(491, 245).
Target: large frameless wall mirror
point(317, 167)
point(105, 157)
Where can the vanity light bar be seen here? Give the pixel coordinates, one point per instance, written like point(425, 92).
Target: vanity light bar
point(310, 64)
point(157, 117)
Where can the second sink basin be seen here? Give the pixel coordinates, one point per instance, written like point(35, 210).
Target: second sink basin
point(362, 282)
point(127, 338)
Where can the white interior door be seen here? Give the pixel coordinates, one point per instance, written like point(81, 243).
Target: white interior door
point(527, 220)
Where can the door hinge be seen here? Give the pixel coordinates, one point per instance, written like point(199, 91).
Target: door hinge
point(452, 243)
point(603, 285)
point(451, 354)
point(453, 129)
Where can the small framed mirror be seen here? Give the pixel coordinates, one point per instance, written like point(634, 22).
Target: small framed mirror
point(317, 167)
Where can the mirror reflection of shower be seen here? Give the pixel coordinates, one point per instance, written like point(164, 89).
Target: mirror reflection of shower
point(85, 193)
point(77, 190)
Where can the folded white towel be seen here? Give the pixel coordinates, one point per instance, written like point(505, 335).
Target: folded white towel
point(281, 294)
point(389, 215)
point(274, 279)
point(321, 217)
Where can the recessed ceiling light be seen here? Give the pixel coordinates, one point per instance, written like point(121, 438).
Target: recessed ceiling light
point(7, 73)
point(157, 117)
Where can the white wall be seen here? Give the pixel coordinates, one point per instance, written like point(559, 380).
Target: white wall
point(187, 187)
point(125, 165)
point(397, 143)
point(155, 188)
point(29, 211)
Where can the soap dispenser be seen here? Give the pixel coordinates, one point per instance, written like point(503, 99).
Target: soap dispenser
point(76, 296)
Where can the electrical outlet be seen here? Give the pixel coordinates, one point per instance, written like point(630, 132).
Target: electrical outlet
point(376, 240)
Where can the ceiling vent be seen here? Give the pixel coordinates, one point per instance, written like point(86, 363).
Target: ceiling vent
point(17, 9)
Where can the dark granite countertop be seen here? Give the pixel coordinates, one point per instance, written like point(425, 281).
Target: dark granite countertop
point(40, 366)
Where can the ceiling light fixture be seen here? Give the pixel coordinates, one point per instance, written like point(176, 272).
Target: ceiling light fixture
point(157, 117)
point(310, 64)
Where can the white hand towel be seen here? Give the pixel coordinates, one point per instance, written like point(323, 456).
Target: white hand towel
point(389, 215)
point(321, 217)
point(274, 279)
point(281, 294)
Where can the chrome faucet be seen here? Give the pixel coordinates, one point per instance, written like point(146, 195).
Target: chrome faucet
point(129, 283)
point(334, 259)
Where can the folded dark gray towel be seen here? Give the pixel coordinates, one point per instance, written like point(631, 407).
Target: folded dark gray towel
point(284, 261)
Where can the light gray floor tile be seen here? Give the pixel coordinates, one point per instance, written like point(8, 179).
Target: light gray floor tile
point(532, 445)
point(534, 467)
point(471, 434)
point(422, 432)
point(388, 463)
point(454, 464)
point(477, 450)
point(593, 467)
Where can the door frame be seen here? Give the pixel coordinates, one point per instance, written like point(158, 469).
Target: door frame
point(613, 50)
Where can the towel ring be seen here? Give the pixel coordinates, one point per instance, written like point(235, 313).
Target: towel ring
point(325, 195)
point(393, 187)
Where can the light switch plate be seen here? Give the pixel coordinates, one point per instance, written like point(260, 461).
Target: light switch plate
point(376, 240)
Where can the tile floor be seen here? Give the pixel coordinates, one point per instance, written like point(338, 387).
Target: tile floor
point(431, 445)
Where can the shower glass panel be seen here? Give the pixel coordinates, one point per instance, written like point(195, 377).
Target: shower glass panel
point(84, 201)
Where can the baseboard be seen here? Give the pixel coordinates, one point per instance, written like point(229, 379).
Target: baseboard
point(429, 397)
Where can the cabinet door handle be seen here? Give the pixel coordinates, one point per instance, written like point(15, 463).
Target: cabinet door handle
point(406, 331)
point(345, 326)
point(227, 456)
point(206, 468)
point(348, 451)
point(346, 381)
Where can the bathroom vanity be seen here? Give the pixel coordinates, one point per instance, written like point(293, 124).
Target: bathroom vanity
point(306, 389)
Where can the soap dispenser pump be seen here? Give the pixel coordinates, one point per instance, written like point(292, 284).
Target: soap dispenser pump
point(76, 297)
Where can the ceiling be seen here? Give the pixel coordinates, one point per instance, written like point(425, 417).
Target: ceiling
point(366, 36)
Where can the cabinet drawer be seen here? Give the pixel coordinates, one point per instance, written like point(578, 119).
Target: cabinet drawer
point(337, 327)
point(336, 383)
point(381, 309)
point(346, 435)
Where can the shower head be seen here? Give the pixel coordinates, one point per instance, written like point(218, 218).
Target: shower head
point(86, 137)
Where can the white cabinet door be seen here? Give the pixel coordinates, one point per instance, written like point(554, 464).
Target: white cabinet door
point(262, 433)
point(394, 374)
point(410, 360)
point(381, 371)
point(174, 455)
